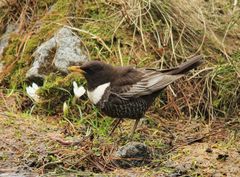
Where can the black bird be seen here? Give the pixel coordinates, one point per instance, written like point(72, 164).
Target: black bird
point(127, 92)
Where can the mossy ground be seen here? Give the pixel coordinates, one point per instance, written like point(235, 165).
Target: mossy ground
point(201, 111)
point(51, 145)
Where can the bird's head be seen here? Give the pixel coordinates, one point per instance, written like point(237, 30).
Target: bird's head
point(95, 72)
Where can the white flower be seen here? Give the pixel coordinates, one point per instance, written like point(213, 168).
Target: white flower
point(31, 91)
point(65, 109)
point(78, 91)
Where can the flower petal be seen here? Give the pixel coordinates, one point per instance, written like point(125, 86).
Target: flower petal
point(31, 91)
point(75, 84)
point(65, 108)
point(35, 86)
point(78, 92)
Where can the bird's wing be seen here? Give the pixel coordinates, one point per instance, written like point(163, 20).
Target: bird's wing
point(143, 82)
point(139, 82)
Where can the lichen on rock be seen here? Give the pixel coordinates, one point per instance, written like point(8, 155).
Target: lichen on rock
point(57, 53)
point(132, 154)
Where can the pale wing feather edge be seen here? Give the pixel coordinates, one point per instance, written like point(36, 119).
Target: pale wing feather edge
point(148, 85)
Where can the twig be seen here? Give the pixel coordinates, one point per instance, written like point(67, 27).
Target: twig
point(69, 143)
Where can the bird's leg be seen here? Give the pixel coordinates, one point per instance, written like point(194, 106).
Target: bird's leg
point(115, 126)
point(134, 127)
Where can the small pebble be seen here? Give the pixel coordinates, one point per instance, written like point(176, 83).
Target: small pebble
point(209, 150)
point(222, 157)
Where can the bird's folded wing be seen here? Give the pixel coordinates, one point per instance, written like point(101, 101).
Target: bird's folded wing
point(149, 82)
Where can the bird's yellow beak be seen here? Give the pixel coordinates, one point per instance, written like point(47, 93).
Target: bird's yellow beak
point(76, 69)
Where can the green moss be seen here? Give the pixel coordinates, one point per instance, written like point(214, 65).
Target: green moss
point(55, 86)
point(48, 27)
point(18, 77)
point(32, 44)
point(59, 10)
point(11, 50)
point(97, 10)
point(102, 30)
point(56, 90)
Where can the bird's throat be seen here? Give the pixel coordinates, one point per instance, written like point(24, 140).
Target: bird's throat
point(96, 94)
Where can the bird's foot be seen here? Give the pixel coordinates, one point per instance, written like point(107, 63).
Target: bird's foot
point(115, 126)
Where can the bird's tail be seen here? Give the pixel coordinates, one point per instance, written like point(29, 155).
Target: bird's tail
point(188, 65)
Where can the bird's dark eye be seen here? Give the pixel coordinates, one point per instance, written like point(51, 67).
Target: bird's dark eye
point(89, 70)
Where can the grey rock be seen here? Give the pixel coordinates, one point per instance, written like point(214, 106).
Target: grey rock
point(4, 39)
point(69, 50)
point(41, 56)
point(132, 154)
point(133, 150)
point(59, 52)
